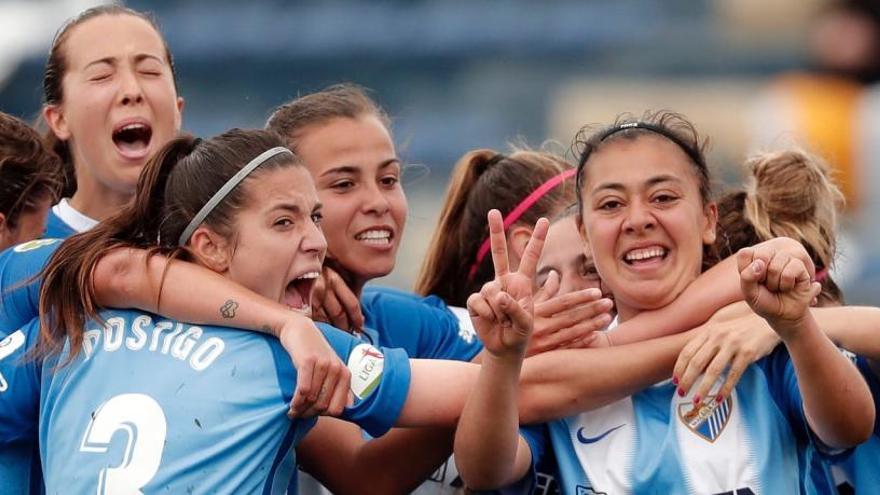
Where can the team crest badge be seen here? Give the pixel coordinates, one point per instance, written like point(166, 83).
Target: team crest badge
point(708, 419)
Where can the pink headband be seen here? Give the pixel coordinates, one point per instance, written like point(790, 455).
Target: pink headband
point(822, 275)
point(517, 212)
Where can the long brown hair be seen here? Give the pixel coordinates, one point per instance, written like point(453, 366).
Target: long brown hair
point(483, 180)
point(56, 69)
point(172, 188)
point(29, 172)
point(787, 193)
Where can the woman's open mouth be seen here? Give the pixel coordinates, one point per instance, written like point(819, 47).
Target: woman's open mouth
point(298, 293)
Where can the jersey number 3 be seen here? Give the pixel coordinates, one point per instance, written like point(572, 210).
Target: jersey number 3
point(141, 417)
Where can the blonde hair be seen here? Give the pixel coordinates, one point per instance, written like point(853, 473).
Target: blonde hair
point(791, 193)
point(787, 193)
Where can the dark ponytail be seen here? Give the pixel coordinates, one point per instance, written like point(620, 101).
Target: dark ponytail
point(67, 296)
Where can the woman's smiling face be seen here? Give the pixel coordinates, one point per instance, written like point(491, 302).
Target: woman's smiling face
point(645, 220)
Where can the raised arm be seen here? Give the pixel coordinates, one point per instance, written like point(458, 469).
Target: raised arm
point(837, 401)
point(489, 451)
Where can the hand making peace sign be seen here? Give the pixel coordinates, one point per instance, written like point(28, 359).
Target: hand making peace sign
point(503, 311)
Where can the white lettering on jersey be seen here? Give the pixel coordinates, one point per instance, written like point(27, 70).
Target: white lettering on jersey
point(207, 353)
point(139, 340)
point(183, 342)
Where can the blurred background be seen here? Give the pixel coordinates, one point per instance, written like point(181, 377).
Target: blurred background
point(462, 74)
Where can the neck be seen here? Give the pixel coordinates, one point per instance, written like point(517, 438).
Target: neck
point(355, 284)
point(96, 201)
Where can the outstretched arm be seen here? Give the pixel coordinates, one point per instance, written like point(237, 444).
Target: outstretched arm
point(711, 291)
point(837, 401)
point(396, 462)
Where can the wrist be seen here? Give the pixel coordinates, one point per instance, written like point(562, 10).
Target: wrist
point(790, 330)
point(291, 330)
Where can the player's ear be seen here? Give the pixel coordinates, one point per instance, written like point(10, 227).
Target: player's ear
point(210, 249)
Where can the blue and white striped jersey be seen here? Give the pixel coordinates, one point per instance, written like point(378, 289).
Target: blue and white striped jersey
point(755, 441)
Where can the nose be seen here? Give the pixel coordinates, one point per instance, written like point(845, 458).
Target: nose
point(638, 218)
point(314, 240)
point(375, 201)
point(130, 90)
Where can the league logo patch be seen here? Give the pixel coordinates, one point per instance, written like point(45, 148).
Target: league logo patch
point(708, 419)
point(366, 364)
point(35, 244)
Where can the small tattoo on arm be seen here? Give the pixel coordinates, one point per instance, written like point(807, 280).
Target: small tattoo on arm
point(228, 309)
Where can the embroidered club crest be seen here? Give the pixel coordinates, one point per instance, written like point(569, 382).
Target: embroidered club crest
point(708, 419)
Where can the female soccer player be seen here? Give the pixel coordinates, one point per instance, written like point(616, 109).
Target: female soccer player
point(648, 227)
point(30, 179)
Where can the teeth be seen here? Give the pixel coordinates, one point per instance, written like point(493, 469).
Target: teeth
point(309, 276)
point(305, 309)
point(375, 236)
point(133, 126)
point(643, 254)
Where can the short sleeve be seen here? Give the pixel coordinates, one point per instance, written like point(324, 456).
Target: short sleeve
point(19, 289)
point(536, 438)
point(424, 326)
point(19, 386)
point(380, 379)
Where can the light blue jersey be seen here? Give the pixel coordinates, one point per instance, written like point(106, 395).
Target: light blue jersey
point(754, 442)
point(161, 406)
point(861, 470)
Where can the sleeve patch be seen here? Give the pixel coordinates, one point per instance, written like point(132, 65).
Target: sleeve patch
point(12, 342)
point(366, 364)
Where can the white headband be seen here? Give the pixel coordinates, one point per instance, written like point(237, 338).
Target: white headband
point(224, 191)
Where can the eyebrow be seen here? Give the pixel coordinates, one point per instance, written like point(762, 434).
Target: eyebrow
point(291, 207)
point(113, 60)
point(653, 181)
point(352, 169)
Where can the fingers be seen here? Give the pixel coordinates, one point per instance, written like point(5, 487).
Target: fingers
point(552, 306)
point(737, 367)
point(339, 390)
point(582, 313)
point(303, 389)
point(498, 243)
point(687, 353)
point(549, 289)
point(713, 371)
point(347, 300)
point(478, 307)
point(532, 253)
point(583, 334)
point(334, 311)
point(515, 313)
